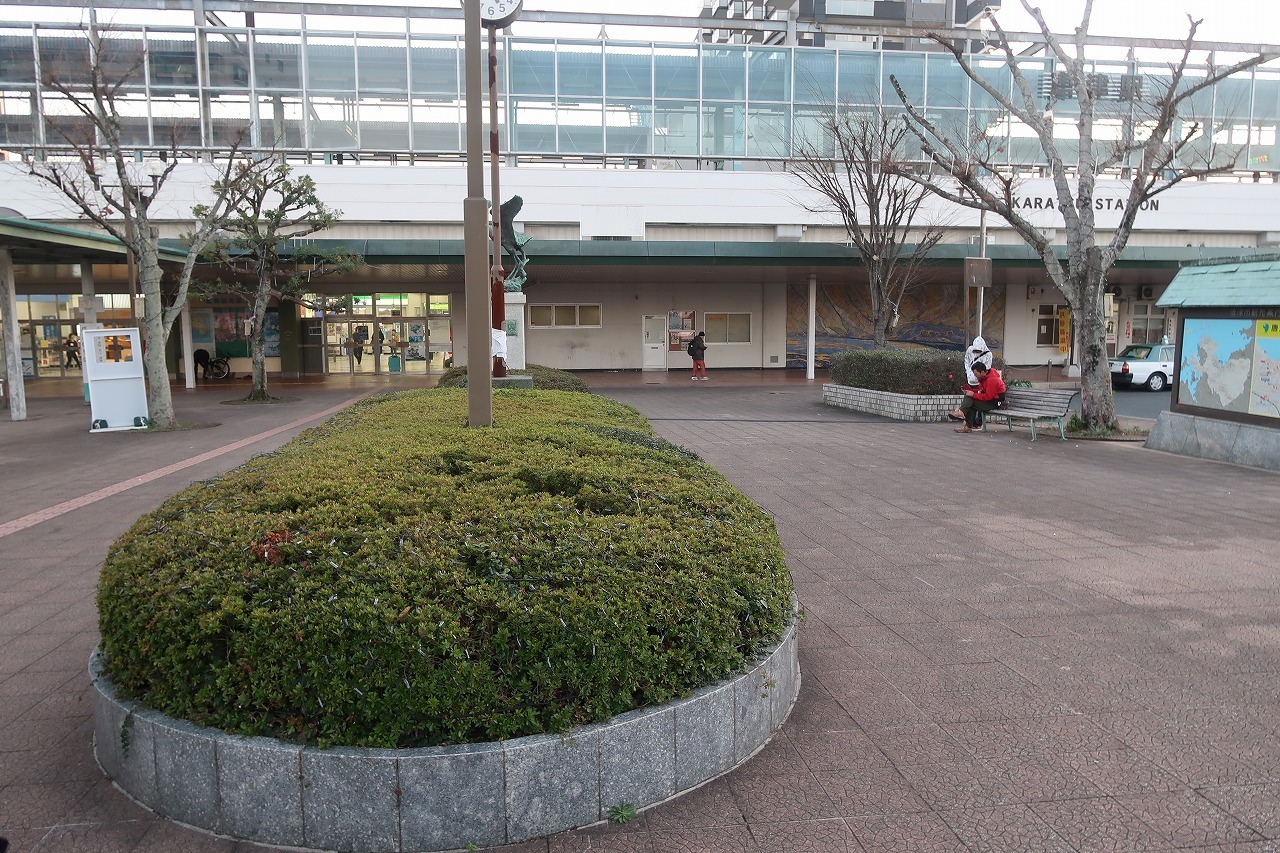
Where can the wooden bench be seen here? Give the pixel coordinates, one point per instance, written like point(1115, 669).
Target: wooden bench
point(1036, 404)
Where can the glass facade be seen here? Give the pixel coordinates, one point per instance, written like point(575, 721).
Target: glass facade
point(320, 92)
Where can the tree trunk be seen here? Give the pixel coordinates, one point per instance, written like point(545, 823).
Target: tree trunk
point(154, 333)
point(1097, 401)
point(258, 348)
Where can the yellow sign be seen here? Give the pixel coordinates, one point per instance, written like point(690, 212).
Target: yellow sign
point(1268, 329)
point(1064, 331)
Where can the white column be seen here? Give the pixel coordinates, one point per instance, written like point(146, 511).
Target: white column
point(515, 330)
point(188, 353)
point(12, 344)
point(813, 325)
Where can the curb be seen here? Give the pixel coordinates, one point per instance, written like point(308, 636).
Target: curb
point(445, 798)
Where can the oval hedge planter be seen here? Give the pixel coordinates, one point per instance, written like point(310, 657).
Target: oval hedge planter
point(929, 408)
point(265, 790)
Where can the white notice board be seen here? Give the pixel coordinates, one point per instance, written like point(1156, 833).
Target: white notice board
point(117, 385)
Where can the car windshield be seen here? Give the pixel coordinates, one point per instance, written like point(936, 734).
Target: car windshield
point(1136, 352)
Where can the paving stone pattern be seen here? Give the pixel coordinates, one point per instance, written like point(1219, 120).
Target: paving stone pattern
point(1009, 646)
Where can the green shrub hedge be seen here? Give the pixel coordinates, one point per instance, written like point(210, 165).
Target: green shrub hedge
point(544, 378)
point(901, 371)
point(392, 578)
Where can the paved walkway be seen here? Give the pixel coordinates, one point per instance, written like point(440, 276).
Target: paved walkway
point(1009, 646)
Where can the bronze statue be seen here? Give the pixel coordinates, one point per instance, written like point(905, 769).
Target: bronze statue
point(513, 243)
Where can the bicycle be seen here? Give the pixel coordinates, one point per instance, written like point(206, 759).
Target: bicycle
point(212, 368)
point(219, 368)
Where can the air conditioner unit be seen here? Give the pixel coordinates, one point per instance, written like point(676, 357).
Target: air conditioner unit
point(1146, 292)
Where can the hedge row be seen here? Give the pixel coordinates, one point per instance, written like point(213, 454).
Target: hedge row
point(392, 578)
point(544, 378)
point(901, 371)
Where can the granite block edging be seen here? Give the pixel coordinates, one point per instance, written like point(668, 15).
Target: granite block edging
point(923, 408)
point(1219, 440)
point(446, 798)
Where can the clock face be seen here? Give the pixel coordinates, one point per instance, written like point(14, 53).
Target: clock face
point(499, 13)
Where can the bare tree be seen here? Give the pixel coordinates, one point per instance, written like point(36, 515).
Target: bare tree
point(270, 209)
point(853, 169)
point(1151, 150)
point(100, 175)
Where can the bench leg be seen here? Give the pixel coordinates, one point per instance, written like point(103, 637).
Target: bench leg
point(1062, 433)
point(1033, 429)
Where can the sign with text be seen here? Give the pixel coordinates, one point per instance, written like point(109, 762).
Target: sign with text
point(1064, 331)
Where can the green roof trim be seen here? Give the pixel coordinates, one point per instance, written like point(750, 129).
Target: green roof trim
point(26, 236)
point(1247, 284)
point(731, 252)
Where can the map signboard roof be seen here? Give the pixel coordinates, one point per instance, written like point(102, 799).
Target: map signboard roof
point(1253, 284)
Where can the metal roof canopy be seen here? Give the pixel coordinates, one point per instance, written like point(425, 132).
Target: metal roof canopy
point(37, 243)
point(1244, 284)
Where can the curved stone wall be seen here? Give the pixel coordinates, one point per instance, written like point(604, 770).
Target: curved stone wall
point(375, 800)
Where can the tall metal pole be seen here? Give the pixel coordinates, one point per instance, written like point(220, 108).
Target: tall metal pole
point(982, 253)
point(497, 292)
point(811, 344)
point(474, 214)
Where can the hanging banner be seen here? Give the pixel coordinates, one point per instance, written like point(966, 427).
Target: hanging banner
point(1064, 331)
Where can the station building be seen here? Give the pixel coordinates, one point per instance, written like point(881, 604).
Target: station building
point(652, 174)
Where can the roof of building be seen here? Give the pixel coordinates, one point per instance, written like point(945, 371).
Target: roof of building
point(33, 242)
point(1249, 284)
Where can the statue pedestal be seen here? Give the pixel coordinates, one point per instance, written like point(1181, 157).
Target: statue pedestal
point(515, 302)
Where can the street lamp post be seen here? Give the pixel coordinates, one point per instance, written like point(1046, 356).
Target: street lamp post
point(474, 207)
point(497, 292)
point(485, 306)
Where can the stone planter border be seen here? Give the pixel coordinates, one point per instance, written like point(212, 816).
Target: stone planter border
point(901, 407)
point(375, 800)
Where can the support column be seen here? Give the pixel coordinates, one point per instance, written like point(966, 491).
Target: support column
point(12, 344)
point(515, 327)
point(90, 303)
point(188, 353)
point(813, 325)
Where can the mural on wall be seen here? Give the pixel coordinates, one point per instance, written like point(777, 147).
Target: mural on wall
point(928, 317)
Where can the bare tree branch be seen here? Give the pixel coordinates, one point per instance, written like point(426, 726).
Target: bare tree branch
point(854, 172)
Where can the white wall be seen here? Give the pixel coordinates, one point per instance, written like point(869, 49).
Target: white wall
point(617, 344)
point(432, 195)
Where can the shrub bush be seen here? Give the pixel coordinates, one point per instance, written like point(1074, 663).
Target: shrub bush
point(392, 578)
point(902, 371)
point(544, 379)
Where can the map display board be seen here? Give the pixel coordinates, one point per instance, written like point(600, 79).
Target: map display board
point(1232, 365)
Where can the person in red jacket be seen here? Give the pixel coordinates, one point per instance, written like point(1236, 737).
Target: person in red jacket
point(984, 398)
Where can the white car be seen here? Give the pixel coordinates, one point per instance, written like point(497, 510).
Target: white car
point(1143, 364)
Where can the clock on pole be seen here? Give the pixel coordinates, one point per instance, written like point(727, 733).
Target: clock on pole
point(497, 14)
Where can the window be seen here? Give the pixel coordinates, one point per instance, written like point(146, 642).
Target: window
point(564, 316)
point(1047, 325)
point(1148, 323)
point(727, 328)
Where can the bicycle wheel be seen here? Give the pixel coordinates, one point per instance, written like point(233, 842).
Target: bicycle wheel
point(219, 368)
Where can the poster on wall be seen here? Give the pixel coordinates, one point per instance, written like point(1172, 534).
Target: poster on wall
point(680, 329)
point(1232, 365)
point(417, 340)
point(202, 329)
point(271, 333)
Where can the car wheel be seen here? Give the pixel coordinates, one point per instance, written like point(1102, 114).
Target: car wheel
point(1155, 382)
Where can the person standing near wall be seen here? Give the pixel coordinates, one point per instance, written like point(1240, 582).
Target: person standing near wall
point(698, 349)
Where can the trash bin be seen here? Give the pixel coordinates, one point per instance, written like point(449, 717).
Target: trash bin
point(393, 364)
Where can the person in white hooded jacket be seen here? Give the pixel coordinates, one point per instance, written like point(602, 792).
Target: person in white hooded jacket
point(977, 353)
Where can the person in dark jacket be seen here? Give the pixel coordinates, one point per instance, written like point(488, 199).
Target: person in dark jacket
point(984, 398)
point(698, 349)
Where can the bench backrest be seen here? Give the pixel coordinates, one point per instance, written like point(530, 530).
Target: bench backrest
point(1053, 401)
